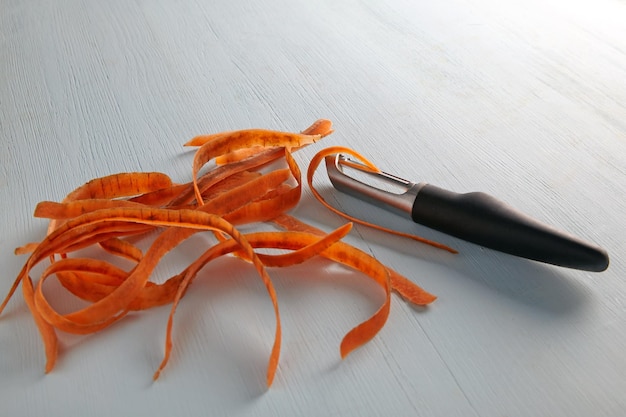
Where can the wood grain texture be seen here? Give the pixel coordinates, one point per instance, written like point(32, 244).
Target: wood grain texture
point(525, 100)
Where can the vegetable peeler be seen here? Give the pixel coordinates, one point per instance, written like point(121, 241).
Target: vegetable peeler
point(475, 217)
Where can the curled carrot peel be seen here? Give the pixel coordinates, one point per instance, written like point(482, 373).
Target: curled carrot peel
point(109, 214)
point(220, 144)
point(121, 248)
point(406, 288)
point(118, 185)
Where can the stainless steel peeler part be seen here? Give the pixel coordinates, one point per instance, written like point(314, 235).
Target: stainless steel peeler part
point(399, 203)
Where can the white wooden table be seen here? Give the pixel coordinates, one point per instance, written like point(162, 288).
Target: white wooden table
point(525, 100)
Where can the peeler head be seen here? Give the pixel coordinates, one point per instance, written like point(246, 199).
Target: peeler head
point(399, 201)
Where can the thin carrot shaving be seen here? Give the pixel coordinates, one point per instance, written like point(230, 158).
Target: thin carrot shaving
point(124, 184)
point(109, 215)
point(320, 127)
point(237, 155)
point(71, 209)
point(26, 249)
point(406, 288)
point(122, 248)
point(213, 177)
point(220, 144)
point(121, 185)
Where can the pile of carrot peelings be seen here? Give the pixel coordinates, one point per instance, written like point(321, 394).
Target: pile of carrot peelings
point(113, 213)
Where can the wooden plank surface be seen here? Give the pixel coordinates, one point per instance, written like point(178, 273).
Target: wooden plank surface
point(525, 100)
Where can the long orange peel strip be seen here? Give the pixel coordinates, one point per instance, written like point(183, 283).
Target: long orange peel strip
point(112, 211)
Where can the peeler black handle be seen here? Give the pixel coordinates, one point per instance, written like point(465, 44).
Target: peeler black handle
point(480, 218)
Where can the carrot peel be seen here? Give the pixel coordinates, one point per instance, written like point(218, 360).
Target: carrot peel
point(109, 215)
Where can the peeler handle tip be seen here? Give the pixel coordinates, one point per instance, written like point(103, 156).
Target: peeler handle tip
point(480, 218)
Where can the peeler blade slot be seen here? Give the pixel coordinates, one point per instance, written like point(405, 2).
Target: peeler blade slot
point(398, 202)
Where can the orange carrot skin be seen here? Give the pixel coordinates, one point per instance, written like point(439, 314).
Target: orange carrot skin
point(108, 211)
point(155, 295)
point(47, 332)
point(237, 155)
point(407, 289)
point(160, 197)
point(304, 249)
point(221, 173)
point(112, 307)
point(346, 255)
point(74, 208)
point(91, 222)
point(226, 143)
point(322, 127)
point(124, 184)
point(122, 248)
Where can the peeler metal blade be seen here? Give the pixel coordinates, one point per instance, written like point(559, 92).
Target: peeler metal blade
point(399, 203)
point(475, 217)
